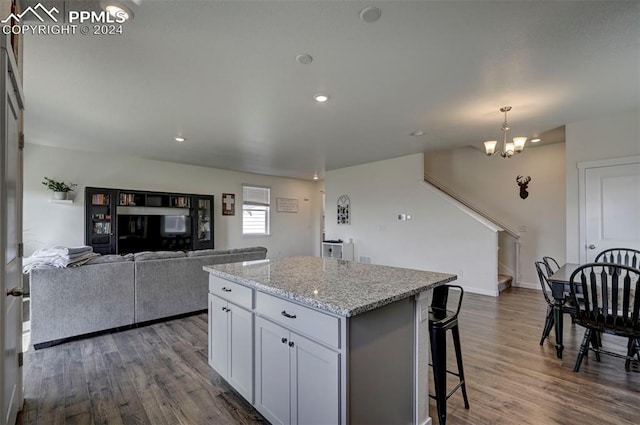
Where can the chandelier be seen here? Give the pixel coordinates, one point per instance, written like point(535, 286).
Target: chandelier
point(508, 148)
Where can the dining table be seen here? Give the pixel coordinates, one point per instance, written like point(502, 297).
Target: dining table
point(559, 288)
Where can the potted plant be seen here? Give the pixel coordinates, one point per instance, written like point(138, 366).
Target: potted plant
point(59, 189)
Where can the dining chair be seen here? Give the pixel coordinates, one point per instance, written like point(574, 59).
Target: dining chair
point(609, 303)
point(551, 264)
point(567, 307)
point(625, 256)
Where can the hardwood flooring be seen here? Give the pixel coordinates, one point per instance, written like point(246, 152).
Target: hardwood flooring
point(158, 374)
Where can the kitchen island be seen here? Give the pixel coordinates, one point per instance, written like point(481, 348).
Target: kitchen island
point(310, 340)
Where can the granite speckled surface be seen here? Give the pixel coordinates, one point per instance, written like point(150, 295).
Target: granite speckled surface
point(341, 287)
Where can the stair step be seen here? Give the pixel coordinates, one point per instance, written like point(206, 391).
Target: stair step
point(504, 282)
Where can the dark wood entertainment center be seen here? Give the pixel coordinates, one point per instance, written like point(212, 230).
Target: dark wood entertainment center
point(119, 221)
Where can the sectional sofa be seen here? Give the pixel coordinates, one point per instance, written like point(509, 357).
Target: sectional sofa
point(114, 291)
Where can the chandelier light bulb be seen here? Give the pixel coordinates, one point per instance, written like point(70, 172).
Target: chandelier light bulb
point(519, 142)
point(509, 148)
point(490, 147)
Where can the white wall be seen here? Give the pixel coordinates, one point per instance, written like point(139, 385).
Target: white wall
point(608, 137)
point(490, 184)
point(47, 224)
point(440, 237)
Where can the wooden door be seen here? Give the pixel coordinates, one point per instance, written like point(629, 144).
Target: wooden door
point(611, 206)
point(272, 372)
point(314, 383)
point(10, 234)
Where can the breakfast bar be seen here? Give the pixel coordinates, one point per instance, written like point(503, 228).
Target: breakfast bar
point(311, 340)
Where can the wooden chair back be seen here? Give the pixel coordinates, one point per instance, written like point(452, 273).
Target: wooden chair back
point(625, 256)
point(543, 277)
point(607, 298)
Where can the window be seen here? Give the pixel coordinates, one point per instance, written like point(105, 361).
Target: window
point(256, 203)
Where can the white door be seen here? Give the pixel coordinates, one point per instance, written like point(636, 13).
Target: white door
point(240, 369)
point(272, 372)
point(10, 235)
point(314, 383)
point(612, 206)
point(218, 346)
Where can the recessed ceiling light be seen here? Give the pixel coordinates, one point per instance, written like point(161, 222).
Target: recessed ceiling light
point(180, 139)
point(535, 140)
point(117, 10)
point(417, 133)
point(320, 98)
point(315, 176)
point(370, 14)
point(304, 59)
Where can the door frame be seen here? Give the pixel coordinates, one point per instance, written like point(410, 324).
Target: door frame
point(11, 83)
point(582, 194)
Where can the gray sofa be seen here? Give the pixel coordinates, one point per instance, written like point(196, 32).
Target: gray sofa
point(120, 291)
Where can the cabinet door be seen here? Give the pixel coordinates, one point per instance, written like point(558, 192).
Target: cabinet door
point(314, 383)
point(218, 336)
point(272, 372)
point(203, 222)
point(100, 220)
point(240, 366)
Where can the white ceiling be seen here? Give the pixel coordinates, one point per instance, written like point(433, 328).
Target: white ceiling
point(224, 75)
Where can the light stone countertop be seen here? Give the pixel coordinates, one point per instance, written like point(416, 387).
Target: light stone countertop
point(341, 287)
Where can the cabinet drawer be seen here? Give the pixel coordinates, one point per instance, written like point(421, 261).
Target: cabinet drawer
point(312, 323)
point(230, 291)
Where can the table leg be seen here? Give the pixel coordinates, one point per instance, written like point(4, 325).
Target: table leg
point(557, 318)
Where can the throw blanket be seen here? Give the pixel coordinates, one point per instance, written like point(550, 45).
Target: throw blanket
point(58, 257)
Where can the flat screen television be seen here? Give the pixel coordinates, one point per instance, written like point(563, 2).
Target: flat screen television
point(140, 232)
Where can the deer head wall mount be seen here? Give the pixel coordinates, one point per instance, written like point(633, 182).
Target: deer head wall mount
point(523, 182)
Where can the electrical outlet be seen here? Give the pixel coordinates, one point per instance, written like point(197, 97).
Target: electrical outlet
point(522, 229)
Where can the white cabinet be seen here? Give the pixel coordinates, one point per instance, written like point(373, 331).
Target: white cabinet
point(273, 385)
point(342, 250)
point(231, 344)
point(315, 375)
point(297, 380)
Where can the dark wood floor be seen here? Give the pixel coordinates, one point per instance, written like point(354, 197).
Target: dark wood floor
point(159, 375)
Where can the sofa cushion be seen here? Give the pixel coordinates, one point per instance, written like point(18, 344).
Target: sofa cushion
point(251, 249)
point(205, 252)
point(110, 259)
point(157, 255)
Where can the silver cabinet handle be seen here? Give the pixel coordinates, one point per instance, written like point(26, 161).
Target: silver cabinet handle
point(592, 246)
point(225, 289)
point(15, 292)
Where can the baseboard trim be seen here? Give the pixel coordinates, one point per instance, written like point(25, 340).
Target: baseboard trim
point(480, 291)
point(527, 285)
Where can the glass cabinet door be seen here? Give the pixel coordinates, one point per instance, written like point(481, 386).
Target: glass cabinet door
point(204, 222)
point(99, 229)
